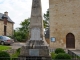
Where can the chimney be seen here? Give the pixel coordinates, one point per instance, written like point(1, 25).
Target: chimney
point(6, 13)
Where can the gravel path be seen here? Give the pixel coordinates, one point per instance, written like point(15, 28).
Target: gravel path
point(17, 45)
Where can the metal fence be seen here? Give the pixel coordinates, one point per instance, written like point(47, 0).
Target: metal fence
point(33, 59)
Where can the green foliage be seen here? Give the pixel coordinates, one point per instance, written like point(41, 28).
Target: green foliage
point(16, 54)
point(19, 38)
point(63, 56)
point(22, 33)
point(4, 55)
point(46, 19)
point(46, 16)
point(10, 36)
point(45, 24)
point(59, 50)
point(78, 56)
point(53, 55)
point(18, 50)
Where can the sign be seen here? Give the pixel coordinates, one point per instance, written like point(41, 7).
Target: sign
point(52, 39)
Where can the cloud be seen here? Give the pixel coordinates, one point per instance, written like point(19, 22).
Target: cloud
point(18, 10)
point(1, 1)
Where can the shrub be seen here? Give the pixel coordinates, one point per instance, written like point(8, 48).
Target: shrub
point(4, 55)
point(16, 54)
point(59, 50)
point(18, 50)
point(19, 38)
point(63, 56)
point(53, 55)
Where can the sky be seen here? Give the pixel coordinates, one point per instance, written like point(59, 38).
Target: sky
point(18, 10)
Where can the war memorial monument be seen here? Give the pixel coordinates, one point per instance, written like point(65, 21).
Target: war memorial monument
point(36, 47)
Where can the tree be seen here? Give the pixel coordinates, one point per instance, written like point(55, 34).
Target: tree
point(46, 16)
point(25, 27)
point(46, 20)
point(22, 33)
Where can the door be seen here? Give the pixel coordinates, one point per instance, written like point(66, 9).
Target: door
point(70, 41)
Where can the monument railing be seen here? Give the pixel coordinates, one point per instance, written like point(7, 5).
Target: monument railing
point(74, 56)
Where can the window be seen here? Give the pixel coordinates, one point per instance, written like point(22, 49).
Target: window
point(5, 30)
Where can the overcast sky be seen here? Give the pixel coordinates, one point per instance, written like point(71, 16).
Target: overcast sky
point(18, 10)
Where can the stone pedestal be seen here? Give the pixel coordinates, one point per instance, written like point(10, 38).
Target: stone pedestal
point(37, 50)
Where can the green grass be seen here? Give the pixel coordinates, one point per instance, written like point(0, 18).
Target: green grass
point(2, 47)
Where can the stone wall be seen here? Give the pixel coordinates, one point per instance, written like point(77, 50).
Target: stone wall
point(64, 19)
point(1, 27)
point(9, 28)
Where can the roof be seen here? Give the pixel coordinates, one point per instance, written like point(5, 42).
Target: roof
point(1, 15)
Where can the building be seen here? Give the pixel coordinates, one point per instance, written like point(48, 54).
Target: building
point(64, 24)
point(6, 24)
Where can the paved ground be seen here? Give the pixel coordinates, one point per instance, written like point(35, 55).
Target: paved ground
point(76, 52)
point(17, 45)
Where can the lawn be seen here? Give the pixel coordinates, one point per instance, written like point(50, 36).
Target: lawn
point(2, 47)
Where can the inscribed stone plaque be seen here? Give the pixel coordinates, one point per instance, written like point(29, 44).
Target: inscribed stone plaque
point(35, 34)
point(33, 52)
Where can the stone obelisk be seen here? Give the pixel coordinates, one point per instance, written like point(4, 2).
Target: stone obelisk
point(36, 22)
point(36, 46)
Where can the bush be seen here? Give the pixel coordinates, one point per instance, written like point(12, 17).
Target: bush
point(4, 55)
point(63, 56)
point(19, 38)
point(59, 50)
point(16, 54)
point(53, 55)
point(18, 50)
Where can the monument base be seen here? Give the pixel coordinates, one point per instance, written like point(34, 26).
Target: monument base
point(34, 53)
point(37, 51)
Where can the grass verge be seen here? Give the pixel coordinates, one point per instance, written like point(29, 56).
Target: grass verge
point(2, 47)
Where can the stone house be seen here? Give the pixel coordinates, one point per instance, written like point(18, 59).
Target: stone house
point(64, 24)
point(6, 24)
